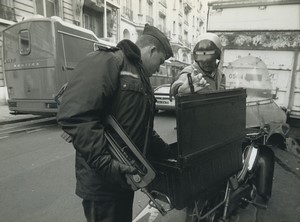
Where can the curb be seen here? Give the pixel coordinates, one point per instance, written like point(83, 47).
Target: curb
point(20, 120)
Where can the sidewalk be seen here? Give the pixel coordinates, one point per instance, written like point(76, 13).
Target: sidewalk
point(6, 117)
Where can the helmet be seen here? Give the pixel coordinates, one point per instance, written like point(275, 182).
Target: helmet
point(208, 44)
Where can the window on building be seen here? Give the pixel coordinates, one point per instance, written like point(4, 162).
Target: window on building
point(184, 57)
point(162, 22)
point(128, 4)
point(86, 21)
point(47, 8)
point(180, 29)
point(180, 32)
point(126, 34)
point(7, 10)
point(149, 13)
point(193, 21)
point(111, 22)
point(150, 9)
point(71, 53)
point(93, 20)
point(140, 6)
point(174, 27)
point(186, 18)
point(127, 10)
point(180, 5)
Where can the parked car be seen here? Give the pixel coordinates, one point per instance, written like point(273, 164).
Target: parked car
point(164, 100)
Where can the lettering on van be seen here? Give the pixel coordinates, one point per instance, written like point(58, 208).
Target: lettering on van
point(10, 60)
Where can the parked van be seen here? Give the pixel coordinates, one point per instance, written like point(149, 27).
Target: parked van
point(39, 55)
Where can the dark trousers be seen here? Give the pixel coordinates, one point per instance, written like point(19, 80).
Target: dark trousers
point(118, 210)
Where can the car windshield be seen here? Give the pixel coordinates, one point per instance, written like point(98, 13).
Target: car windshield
point(251, 73)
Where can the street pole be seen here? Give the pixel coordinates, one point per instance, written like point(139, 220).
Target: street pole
point(105, 21)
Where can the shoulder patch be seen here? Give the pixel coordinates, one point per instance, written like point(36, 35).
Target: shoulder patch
point(126, 73)
point(107, 48)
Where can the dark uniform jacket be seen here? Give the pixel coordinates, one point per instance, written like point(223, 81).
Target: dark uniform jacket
point(106, 82)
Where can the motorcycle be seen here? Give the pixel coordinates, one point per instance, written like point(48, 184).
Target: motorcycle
point(252, 184)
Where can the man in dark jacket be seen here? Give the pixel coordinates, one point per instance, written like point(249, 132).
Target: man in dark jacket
point(115, 82)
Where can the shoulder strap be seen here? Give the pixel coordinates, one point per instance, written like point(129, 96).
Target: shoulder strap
point(58, 96)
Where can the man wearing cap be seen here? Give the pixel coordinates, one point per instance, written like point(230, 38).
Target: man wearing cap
point(115, 82)
point(203, 74)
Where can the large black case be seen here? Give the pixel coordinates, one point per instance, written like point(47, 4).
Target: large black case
point(210, 131)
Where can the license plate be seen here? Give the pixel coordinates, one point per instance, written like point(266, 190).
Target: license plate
point(163, 102)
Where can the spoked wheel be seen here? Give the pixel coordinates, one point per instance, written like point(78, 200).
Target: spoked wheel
point(209, 210)
point(200, 208)
point(194, 212)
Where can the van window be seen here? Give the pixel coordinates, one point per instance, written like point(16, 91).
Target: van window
point(75, 48)
point(24, 42)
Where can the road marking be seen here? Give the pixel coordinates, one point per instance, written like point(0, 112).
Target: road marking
point(34, 130)
point(3, 137)
point(150, 212)
point(12, 127)
point(26, 129)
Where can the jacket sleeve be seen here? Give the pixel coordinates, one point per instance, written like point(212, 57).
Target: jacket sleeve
point(85, 102)
point(180, 79)
point(222, 80)
point(159, 148)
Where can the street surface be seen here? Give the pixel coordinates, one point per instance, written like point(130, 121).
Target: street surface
point(37, 178)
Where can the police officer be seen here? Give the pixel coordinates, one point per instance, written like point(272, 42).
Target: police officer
point(204, 72)
point(112, 81)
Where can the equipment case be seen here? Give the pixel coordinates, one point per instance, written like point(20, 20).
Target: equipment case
point(210, 131)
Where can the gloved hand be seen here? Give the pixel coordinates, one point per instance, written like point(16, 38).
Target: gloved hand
point(118, 172)
point(115, 171)
point(198, 83)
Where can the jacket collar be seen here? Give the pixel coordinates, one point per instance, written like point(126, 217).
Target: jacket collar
point(130, 50)
point(133, 54)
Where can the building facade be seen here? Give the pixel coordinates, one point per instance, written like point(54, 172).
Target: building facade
point(181, 20)
point(113, 20)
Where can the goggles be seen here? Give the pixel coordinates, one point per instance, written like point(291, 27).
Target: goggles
point(211, 52)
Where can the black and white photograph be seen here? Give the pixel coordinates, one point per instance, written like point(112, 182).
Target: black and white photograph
point(149, 110)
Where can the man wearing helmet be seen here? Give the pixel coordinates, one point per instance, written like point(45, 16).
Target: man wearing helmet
point(203, 74)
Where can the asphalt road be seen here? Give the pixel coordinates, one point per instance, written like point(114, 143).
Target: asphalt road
point(37, 178)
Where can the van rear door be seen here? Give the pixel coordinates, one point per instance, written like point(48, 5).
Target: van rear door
point(29, 61)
